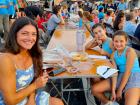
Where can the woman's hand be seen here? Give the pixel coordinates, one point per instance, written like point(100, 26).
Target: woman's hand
point(41, 81)
point(31, 99)
point(119, 94)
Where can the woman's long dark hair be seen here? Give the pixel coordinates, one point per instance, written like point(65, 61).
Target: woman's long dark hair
point(12, 46)
point(117, 21)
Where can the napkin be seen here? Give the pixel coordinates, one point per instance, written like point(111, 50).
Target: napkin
point(97, 56)
point(56, 54)
point(61, 50)
point(106, 71)
point(52, 58)
point(97, 48)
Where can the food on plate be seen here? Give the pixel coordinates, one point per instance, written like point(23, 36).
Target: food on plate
point(79, 56)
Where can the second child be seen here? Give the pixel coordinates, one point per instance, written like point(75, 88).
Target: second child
point(127, 81)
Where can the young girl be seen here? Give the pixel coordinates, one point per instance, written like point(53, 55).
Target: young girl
point(128, 79)
point(100, 39)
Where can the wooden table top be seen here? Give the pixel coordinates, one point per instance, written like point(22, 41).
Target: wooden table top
point(68, 39)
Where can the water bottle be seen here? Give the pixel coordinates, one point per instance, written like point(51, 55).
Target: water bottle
point(80, 40)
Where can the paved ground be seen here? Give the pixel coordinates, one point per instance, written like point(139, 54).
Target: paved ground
point(76, 98)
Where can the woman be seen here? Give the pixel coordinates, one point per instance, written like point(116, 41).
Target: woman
point(119, 21)
point(21, 67)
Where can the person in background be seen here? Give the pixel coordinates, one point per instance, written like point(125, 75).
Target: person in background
point(94, 14)
point(12, 10)
point(130, 24)
point(137, 32)
point(47, 15)
point(137, 35)
point(105, 5)
point(80, 19)
point(33, 12)
point(55, 20)
point(81, 8)
point(100, 6)
point(100, 39)
point(136, 13)
point(36, 14)
point(109, 17)
point(101, 14)
point(46, 4)
point(139, 16)
point(94, 6)
point(116, 3)
point(111, 5)
point(119, 21)
point(21, 67)
point(4, 18)
point(74, 7)
point(127, 81)
point(87, 6)
point(21, 5)
point(65, 11)
point(122, 6)
point(88, 19)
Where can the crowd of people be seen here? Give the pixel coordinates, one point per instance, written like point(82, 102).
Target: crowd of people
point(111, 24)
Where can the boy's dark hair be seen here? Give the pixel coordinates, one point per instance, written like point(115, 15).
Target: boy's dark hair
point(13, 47)
point(56, 9)
point(33, 11)
point(109, 12)
point(100, 9)
point(120, 33)
point(98, 25)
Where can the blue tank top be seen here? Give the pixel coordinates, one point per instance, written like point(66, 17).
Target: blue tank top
point(106, 46)
point(121, 62)
point(23, 79)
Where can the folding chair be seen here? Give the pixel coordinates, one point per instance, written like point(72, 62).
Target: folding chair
point(44, 24)
point(134, 40)
point(109, 30)
point(43, 39)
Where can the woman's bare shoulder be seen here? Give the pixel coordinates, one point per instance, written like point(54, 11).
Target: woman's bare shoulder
point(6, 61)
point(5, 57)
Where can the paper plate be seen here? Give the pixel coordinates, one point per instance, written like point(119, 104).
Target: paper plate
point(79, 56)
